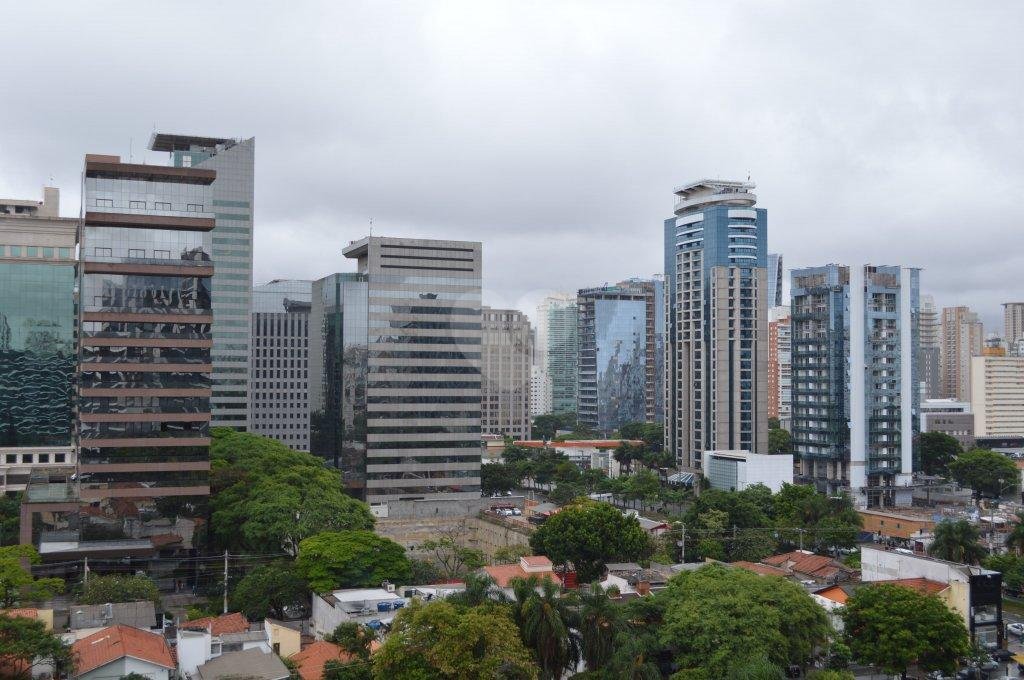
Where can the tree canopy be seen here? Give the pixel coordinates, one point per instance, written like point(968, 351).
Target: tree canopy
point(453, 558)
point(717, 617)
point(436, 640)
point(100, 589)
point(268, 497)
point(588, 534)
point(24, 642)
point(779, 440)
point(987, 473)
point(17, 584)
point(269, 589)
point(545, 426)
point(893, 627)
point(10, 518)
point(938, 450)
point(351, 559)
point(498, 478)
point(957, 542)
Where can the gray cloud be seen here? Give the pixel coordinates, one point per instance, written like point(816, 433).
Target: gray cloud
point(555, 131)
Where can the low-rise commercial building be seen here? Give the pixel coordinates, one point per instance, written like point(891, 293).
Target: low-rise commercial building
point(736, 470)
point(951, 417)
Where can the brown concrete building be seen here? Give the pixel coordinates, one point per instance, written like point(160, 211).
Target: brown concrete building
point(905, 525)
point(962, 338)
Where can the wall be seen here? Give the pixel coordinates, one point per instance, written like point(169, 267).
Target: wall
point(288, 639)
point(193, 650)
point(895, 526)
point(488, 535)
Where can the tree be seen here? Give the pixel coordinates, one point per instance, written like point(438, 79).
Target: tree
point(424, 571)
point(436, 640)
point(270, 589)
point(351, 559)
point(498, 478)
point(116, 588)
point(938, 450)
point(957, 542)
point(893, 627)
point(1011, 567)
point(1015, 539)
point(598, 624)
point(354, 638)
point(10, 518)
point(545, 426)
point(831, 674)
point(25, 643)
point(987, 473)
point(748, 513)
point(510, 554)
point(546, 623)
point(454, 559)
point(477, 591)
point(642, 486)
point(716, 616)
point(16, 582)
point(779, 441)
point(588, 534)
point(269, 497)
point(352, 670)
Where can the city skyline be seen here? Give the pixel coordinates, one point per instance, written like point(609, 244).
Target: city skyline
point(854, 108)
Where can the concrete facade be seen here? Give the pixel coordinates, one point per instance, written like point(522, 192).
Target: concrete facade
point(1013, 322)
point(962, 338)
point(506, 384)
point(780, 366)
point(929, 357)
point(997, 395)
point(737, 470)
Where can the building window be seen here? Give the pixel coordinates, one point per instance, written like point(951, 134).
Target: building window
point(162, 254)
point(137, 205)
point(161, 206)
point(194, 207)
point(44, 458)
point(104, 203)
point(64, 253)
point(31, 251)
point(58, 458)
point(102, 252)
point(133, 252)
point(15, 251)
point(48, 253)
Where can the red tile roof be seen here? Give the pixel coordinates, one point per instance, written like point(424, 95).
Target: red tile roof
point(834, 593)
point(310, 661)
point(922, 585)
point(806, 563)
point(225, 623)
point(503, 573)
point(537, 561)
point(762, 569)
point(576, 443)
point(116, 642)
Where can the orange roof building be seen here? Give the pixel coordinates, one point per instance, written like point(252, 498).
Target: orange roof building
point(531, 565)
point(310, 661)
point(219, 625)
point(113, 644)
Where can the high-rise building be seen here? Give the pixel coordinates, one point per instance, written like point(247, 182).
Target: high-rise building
point(561, 353)
point(997, 395)
point(1013, 319)
point(855, 392)
point(717, 349)
point(775, 278)
point(962, 338)
point(780, 373)
point(929, 351)
point(540, 394)
point(621, 338)
point(37, 338)
point(395, 352)
point(232, 207)
point(950, 417)
point(279, 368)
point(507, 351)
point(145, 340)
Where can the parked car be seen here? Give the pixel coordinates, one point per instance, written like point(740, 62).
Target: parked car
point(1016, 628)
point(1002, 655)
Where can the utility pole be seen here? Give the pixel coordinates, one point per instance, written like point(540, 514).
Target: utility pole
point(801, 532)
point(225, 581)
point(85, 571)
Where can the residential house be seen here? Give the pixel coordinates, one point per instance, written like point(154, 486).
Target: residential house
point(808, 566)
point(85, 619)
point(310, 661)
point(631, 580)
point(202, 640)
point(253, 664)
point(11, 667)
point(371, 606)
point(120, 650)
point(902, 525)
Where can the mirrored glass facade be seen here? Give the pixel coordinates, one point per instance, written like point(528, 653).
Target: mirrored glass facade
point(395, 369)
point(621, 343)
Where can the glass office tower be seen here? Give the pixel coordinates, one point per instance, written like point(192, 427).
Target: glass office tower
point(144, 373)
point(37, 346)
point(621, 331)
point(395, 369)
point(855, 390)
point(231, 252)
point(562, 355)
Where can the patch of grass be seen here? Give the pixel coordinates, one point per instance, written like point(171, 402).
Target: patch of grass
point(1013, 606)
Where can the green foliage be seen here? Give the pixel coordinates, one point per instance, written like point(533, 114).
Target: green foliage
point(436, 641)
point(10, 519)
point(830, 674)
point(354, 670)
point(546, 622)
point(779, 440)
point(987, 473)
point(545, 426)
point(268, 589)
point(599, 623)
point(716, 616)
point(832, 522)
point(354, 638)
point(268, 497)
point(652, 434)
point(16, 583)
point(735, 531)
point(1015, 539)
point(351, 559)
point(424, 571)
point(134, 676)
point(511, 554)
point(957, 542)
point(755, 669)
point(893, 627)
point(453, 558)
point(938, 450)
point(1011, 567)
point(116, 588)
point(202, 609)
point(498, 478)
point(588, 534)
point(24, 641)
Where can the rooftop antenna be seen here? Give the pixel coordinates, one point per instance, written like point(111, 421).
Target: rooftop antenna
point(371, 226)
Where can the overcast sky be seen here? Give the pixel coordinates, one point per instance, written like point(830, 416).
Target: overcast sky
point(554, 132)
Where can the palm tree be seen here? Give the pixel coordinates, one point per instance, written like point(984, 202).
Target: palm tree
point(599, 621)
point(1015, 539)
point(546, 622)
point(477, 592)
point(957, 542)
